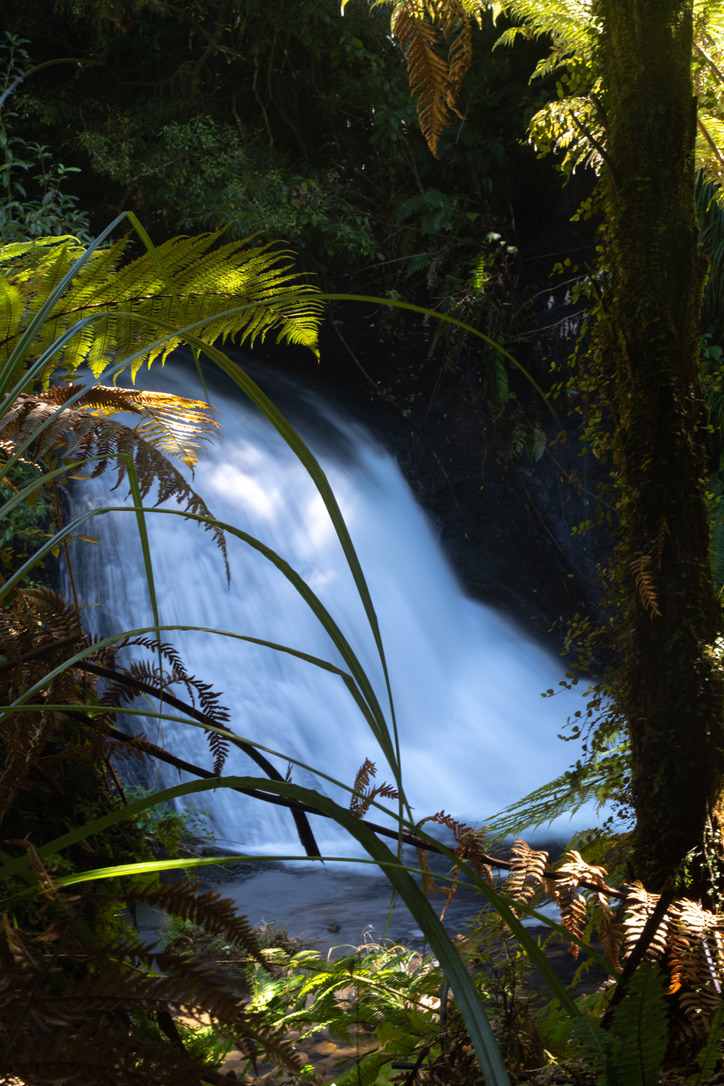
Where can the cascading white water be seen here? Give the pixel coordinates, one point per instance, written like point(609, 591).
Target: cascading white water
point(475, 732)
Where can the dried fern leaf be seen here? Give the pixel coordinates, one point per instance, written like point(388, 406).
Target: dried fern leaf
point(427, 70)
point(364, 775)
point(696, 959)
point(79, 434)
point(199, 692)
point(365, 792)
point(563, 888)
point(527, 870)
point(216, 915)
point(176, 425)
point(638, 906)
point(643, 577)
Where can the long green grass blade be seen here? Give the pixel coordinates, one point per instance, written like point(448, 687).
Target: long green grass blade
point(114, 639)
point(374, 717)
point(445, 318)
point(253, 392)
point(146, 551)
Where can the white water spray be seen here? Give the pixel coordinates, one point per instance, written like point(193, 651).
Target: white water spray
point(475, 732)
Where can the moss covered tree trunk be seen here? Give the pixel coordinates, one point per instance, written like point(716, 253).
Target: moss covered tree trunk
point(670, 691)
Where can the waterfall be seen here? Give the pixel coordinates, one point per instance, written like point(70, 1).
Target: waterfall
point(475, 732)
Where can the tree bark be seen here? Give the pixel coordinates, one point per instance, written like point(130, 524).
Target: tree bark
point(669, 685)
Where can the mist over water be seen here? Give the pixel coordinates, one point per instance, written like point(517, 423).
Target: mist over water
point(475, 732)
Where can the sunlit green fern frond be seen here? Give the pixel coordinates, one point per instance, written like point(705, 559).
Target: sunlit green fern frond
point(229, 291)
point(567, 24)
point(571, 129)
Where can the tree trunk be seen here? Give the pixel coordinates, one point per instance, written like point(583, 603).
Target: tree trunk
point(670, 689)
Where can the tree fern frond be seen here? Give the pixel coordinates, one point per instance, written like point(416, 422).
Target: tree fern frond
point(226, 290)
point(696, 959)
point(570, 128)
point(174, 424)
point(144, 671)
point(638, 906)
point(427, 70)
point(208, 910)
point(527, 868)
point(565, 794)
point(460, 58)
point(564, 889)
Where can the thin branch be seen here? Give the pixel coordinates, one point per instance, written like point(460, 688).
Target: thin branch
point(79, 61)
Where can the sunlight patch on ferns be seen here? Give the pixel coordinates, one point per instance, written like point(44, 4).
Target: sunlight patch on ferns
point(228, 291)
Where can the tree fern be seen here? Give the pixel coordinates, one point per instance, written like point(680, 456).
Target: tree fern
point(571, 124)
point(228, 291)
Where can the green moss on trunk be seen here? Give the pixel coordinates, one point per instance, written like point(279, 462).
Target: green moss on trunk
point(670, 689)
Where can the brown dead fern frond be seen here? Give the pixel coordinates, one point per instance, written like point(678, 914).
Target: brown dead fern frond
point(696, 959)
point(120, 692)
point(608, 929)
point(58, 997)
point(427, 71)
point(573, 905)
point(470, 846)
point(365, 792)
point(216, 915)
point(638, 906)
point(460, 58)
point(527, 871)
point(38, 630)
point(436, 38)
point(39, 425)
point(176, 425)
point(644, 580)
